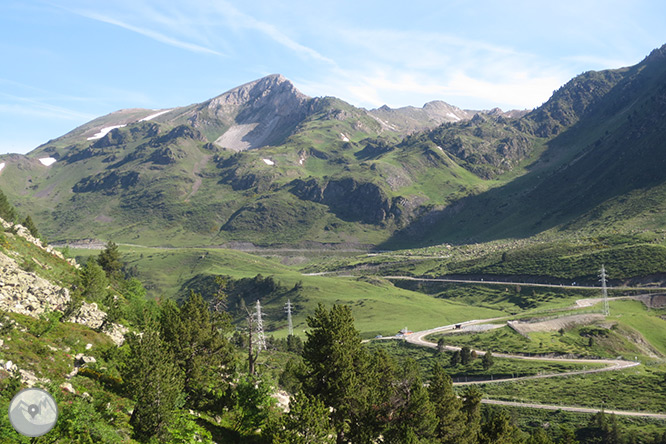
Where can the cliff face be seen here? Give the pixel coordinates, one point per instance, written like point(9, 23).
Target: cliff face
point(349, 199)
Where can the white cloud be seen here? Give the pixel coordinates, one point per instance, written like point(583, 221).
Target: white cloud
point(155, 35)
point(34, 108)
point(401, 68)
point(239, 19)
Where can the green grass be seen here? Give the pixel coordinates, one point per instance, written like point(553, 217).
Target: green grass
point(638, 389)
point(649, 324)
point(378, 306)
point(606, 343)
point(52, 354)
point(32, 258)
point(502, 368)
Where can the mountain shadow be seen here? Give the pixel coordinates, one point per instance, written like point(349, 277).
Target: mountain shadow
point(612, 157)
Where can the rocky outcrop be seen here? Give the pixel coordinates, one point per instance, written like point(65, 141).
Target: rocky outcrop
point(349, 199)
point(26, 293)
point(23, 232)
point(259, 113)
point(106, 182)
point(91, 316)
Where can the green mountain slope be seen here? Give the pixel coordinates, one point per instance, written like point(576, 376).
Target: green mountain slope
point(602, 174)
point(261, 163)
point(266, 164)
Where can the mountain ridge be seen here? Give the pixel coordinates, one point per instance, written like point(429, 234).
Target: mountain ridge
point(266, 164)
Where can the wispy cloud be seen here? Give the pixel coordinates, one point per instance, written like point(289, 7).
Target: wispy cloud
point(147, 32)
point(404, 67)
point(182, 24)
point(245, 21)
point(35, 108)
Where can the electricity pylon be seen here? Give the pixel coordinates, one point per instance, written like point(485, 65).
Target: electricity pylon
point(287, 308)
point(604, 290)
point(259, 329)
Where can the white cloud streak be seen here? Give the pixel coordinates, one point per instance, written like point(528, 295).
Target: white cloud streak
point(155, 35)
point(241, 20)
point(35, 108)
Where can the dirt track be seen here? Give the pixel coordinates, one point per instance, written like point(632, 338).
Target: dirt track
point(418, 338)
point(573, 409)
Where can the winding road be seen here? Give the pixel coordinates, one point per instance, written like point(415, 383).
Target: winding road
point(418, 338)
point(524, 284)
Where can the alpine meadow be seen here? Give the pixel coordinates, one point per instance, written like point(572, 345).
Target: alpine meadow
point(270, 267)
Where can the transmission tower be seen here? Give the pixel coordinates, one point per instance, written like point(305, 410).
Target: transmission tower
point(604, 290)
point(287, 308)
point(259, 329)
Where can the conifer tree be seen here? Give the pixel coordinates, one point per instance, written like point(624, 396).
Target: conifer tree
point(30, 225)
point(197, 340)
point(499, 429)
point(155, 381)
point(472, 409)
point(465, 355)
point(539, 437)
point(413, 418)
point(336, 363)
point(7, 211)
point(455, 358)
point(487, 361)
point(306, 422)
point(451, 420)
point(109, 260)
point(94, 281)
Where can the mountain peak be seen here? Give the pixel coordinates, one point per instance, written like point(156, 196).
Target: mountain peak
point(258, 89)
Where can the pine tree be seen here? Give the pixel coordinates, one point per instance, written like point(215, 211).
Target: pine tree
point(155, 381)
point(413, 416)
point(539, 437)
point(568, 436)
point(441, 346)
point(306, 422)
point(251, 403)
point(455, 358)
point(336, 362)
point(94, 281)
point(465, 355)
point(109, 260)
point(487, 360)
point(197, 340)
point(451, 426)
point(499, 429)
point(7, 211)
point(472, 409)
point(30, 225)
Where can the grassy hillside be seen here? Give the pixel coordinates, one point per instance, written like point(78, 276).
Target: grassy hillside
point(601, 171)
point(379, 306)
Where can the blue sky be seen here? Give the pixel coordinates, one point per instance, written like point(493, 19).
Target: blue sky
point(65, 62)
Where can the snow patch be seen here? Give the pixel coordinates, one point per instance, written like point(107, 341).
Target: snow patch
point(440, 148)
point(344, 138)
point(152, 116)
point(47, 161)
point(268, 161)
point(2, 165)
point(453, 116)
point(104, 131)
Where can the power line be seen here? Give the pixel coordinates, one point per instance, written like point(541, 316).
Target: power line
point(287, 308)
